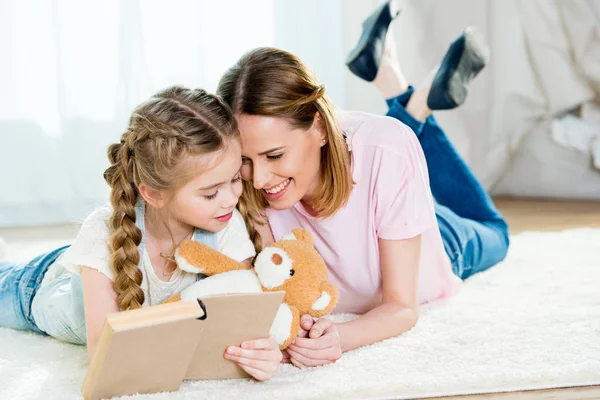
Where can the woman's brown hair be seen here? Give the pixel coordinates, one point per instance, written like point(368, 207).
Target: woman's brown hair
point(273, 82)
point(173, 124)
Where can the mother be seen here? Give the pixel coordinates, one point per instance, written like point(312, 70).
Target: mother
point(360, 184)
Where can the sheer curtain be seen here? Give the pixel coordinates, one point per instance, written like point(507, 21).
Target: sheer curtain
point(72, 72)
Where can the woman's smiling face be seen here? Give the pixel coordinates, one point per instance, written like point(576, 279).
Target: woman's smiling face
point(281, 160)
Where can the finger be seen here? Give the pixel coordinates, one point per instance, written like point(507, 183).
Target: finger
point(306, 322)
point(254, 363)
point(261, 355)
point(259, 344)
point(325, 341)
point(302, 333)
point(296, 363)
point(319, 327)
point(256, 373)
point(307, 362)
point(324, 354)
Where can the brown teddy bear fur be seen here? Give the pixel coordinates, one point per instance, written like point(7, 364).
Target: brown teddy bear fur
point(291, 265)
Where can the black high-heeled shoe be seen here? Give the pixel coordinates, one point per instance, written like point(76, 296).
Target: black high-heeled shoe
point(364, 59)
point(465, 58)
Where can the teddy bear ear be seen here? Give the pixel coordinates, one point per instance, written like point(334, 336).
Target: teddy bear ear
point(299, 234)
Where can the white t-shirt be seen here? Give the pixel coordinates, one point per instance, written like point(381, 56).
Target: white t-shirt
point(91, 250)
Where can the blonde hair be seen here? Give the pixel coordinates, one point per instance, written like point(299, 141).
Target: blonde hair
point(173, 124)
point(272, 82)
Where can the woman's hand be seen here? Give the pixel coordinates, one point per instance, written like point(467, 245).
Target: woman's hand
point(306, 322)
point(285, 357)
point(321, 347)
point(260, 358)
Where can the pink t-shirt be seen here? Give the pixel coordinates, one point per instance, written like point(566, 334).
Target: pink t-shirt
point(391, 200)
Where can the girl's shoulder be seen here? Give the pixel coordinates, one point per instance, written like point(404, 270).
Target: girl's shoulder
point(90, 247)
point(95, 225)
point(99, 216)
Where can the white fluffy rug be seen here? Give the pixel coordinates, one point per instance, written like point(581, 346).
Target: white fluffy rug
point(530, 322)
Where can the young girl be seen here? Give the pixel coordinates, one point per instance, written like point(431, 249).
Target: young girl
point(175, 175)
point(364, 186)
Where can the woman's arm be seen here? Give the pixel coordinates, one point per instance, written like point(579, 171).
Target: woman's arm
point(99, 299)
point(398, 313)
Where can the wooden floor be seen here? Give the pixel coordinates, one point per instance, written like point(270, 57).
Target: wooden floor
point(541, 215)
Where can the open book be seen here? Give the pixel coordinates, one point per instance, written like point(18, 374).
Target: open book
point(154, 349)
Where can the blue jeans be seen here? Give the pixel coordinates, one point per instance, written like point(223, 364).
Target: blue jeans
point(57, 309)
point(19, 284)
point(474, 233)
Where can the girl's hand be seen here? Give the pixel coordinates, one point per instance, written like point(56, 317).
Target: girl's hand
point(321, 347)
point(260, 358)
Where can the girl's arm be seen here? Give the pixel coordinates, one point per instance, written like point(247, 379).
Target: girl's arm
point(397, 314)
point(99, 299)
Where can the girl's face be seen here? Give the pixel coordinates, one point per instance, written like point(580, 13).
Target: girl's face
point(282, 161)
point(207, 200)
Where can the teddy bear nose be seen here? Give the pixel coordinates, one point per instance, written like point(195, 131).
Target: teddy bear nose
point(277, 259)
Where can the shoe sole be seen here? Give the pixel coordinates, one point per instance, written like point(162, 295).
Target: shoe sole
point(368, 34)
point(473, 59)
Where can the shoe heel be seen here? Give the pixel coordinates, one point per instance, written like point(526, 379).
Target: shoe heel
point(477, 47)
point(475, 57)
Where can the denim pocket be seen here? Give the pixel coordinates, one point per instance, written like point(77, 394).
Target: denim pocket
point(66, 333)
point(58, 309)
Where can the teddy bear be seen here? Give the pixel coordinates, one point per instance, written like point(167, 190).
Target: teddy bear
point(291, 264)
